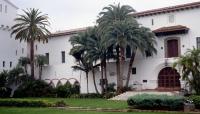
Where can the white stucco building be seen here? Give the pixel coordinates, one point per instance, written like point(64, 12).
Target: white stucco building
point(10, 49)
point(176, 28)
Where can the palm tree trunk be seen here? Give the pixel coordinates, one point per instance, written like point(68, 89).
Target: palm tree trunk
point(25, 68)
point(105, 74)
point(40, 72)
point(102, 85)
point(87, 82)
point(130, 68)
point(32, 58)
point(119, 83)
point(94, 80)
point(122, 61)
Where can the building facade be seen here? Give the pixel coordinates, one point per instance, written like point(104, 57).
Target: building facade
point(10, 49)
point(176, 29)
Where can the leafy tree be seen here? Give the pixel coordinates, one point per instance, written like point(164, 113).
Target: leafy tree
point(30, 27)
point(190, 67)
point(41, 60)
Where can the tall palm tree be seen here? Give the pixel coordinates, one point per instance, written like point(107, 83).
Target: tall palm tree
point(113, 21)
point(40, 61)
point(30, 27)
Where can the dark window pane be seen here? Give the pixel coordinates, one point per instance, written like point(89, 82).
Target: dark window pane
point(63, 56)
point(47, 56)
point(133, 70)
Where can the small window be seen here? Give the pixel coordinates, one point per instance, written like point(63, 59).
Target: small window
point(134, 70)
point(47, 56)
point(144, 81)
point(148, 53)
point(152, 21)
point(16, 52)
point(10, 64)
point(0, 7)
point(4, 63)
point(36, 47)
point(63, 56)
point(198, 42)
point(6, 9)
point(171, 18)
point(22, 50)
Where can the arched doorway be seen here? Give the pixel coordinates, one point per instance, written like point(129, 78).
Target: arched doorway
point(169, 79)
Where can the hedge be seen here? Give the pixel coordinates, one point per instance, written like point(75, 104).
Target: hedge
point(24, 103)
point(196, 100)
point(156, 102)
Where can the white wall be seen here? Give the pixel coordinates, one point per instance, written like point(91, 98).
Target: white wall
point(9, 45)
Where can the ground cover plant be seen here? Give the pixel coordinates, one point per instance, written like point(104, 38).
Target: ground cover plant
point(156, 102)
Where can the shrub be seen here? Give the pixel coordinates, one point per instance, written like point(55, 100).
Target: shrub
point(5, 92)
point(196, 100)
point(156, 102)
point(60, 104)
point(109, 95)
point(64, 90)
point(89, 95)
point(111, 87)
point(24, 103)
point(34, 88)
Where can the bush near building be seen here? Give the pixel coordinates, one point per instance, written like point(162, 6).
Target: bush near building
point(156, 102)
point(195, 99)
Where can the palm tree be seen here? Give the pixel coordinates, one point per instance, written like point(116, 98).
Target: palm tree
point(24, 61)
point(190, 65)
point(95, 52)
point(81, 45)
point(143, 40)
point(30, 27)
point(113, 24)
point(84, 66)
point(41, 60)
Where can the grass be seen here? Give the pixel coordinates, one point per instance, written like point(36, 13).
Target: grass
point(60, 111)
point(92, 103)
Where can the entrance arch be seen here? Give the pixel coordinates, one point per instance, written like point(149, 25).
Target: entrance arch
point(169, 79)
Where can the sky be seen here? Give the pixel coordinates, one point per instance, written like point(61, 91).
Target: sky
point(71, 14)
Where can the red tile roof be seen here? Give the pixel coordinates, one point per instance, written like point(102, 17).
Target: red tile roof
point(68, 32)
point(168, 9)
point(171, 30)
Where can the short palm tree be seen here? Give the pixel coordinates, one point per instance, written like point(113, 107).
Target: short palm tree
point(190, 67)
point(23, 62)
point(40, 61)
point(30, 27)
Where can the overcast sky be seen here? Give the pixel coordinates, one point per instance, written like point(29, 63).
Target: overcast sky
point(70, 14)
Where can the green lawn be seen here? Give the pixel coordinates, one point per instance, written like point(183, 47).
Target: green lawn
point(92, 103)
point(61, 111)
